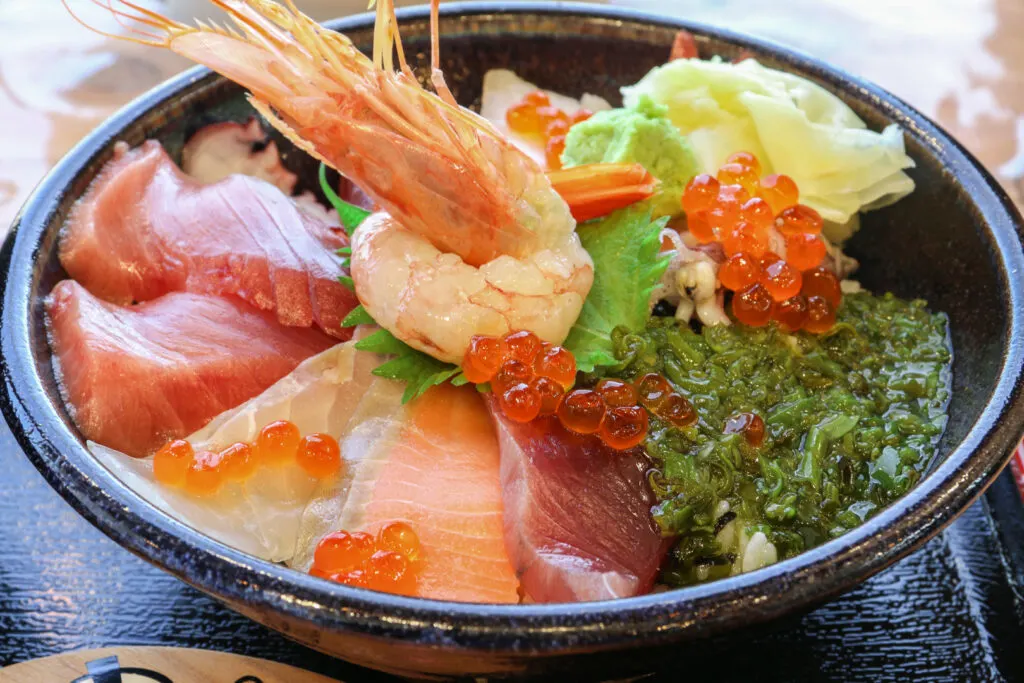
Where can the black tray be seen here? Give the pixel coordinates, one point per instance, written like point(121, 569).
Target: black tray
point(950, 612)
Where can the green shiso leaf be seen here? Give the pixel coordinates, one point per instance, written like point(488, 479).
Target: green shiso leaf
point(350, 215)
point(358, 316)
point(625, 247)
point(416, 369)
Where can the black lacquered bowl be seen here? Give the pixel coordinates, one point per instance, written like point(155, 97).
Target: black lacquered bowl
point(955, 241)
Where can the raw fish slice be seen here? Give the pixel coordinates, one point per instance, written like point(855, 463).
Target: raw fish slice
point(503, 89)
point(134, 377)
point(267, 515)
point(577, 514)
point(145, 229)
point(229, 517)
point(434, 464)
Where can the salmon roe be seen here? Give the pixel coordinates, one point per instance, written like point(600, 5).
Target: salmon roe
point(237, 462)
point(700, 193)
point(745, 238)
point(779, 191)
point(699, 225)
point(483, 358)
point(653, 390)
point(750, 425)
point(534, 379)
point(388, 562)
point(511, 373)
point(791, 314)
point(733, 173)
point(399, 537)
point(277, 442)
point(799, 219)
point(624, 427)
point(390, 572)
point(171, 463)
point(758, 213)
point(747, 215)
point(341, 551)
point(523, 346)
point(746, 160)
point(753, 306)
point(821, 315)
point(616, 393)
point(535, 116)
point(520, 402)
point(677, 410)
point(805, 251)
point(550, 393)
point(582, 411)
point(782, 280)
point(319, 455)
point(739, 272)
point(557, 364)
point(824, 283)
point(203, 478)
point(201, 474)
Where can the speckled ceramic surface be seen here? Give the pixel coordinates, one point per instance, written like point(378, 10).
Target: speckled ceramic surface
point(955, 242)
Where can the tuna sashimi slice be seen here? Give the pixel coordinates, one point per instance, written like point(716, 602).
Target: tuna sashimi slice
point(434, 464)
point(144, 229)
point(577, 514)
point(133, 377)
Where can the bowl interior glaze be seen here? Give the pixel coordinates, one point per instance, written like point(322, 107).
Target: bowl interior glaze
point(955, 242)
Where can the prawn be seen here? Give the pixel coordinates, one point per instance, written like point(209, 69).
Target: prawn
point(473, 237)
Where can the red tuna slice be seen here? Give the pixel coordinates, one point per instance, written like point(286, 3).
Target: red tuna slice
point(134, 377)
point(578, 521)
point(144, 229)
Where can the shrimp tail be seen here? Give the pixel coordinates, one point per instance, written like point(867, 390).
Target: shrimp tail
point(595, 190)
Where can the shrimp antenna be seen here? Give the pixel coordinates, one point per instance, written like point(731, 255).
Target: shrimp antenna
point(144, 16)
point(436, 75)
point(120, 17)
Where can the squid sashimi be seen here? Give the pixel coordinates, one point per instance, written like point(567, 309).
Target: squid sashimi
point(134, 377)
point(144, 229)
point(270, 511)
point(578, 514)
point(434, 466)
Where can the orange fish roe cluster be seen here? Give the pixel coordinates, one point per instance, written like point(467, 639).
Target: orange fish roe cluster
point(387, 562)
point(536, 116)
point(530, 379)
point(201, 474)
point(738, 209)
point(528, 376)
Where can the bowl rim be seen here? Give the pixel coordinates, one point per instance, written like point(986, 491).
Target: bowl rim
point(256, 586)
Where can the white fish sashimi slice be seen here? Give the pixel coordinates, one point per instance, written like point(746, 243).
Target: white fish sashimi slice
point(229, 518)
point(266, 515)
point(503, 89)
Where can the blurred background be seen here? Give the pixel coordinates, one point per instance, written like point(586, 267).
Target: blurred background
point(959, 61)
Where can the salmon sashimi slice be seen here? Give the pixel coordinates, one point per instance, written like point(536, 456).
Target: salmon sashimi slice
point(434, 465)
point(134, 377)
point(144, 229)
point(577, 514)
